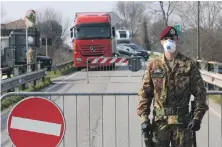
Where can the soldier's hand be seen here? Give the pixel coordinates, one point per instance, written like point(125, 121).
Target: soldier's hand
point(194, 125)
point(146, 126)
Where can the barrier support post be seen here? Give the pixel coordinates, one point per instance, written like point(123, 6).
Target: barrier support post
point(87, 71)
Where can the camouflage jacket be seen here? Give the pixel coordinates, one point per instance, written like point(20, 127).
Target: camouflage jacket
point(171, 88)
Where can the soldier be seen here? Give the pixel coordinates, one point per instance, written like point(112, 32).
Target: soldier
point(169, 81)
point(29, 55)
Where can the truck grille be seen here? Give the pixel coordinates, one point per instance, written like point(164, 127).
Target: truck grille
point(86, 50)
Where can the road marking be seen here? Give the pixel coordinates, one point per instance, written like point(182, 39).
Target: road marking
point(35, 126)
point(130, 74)
point(57, 83)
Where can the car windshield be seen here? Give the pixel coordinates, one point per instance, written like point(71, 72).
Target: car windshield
point(134, 46)
point(93, 31)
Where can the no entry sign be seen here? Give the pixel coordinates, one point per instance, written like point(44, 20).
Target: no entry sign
point(36, 122)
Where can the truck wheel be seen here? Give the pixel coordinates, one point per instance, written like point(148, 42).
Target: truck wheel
point(79, 68)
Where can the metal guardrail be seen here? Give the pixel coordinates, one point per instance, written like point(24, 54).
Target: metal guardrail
point(212, 78)
point(8, 84)
point(16, 81)
point(61, 66)
point(209, 76)
point(154, 53)
point(211, 66)
point(210, 62)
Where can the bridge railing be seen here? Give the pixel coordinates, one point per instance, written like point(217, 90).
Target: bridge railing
point(211, 73)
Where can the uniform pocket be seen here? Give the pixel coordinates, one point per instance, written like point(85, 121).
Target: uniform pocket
point(157, 79)
point(158, 84)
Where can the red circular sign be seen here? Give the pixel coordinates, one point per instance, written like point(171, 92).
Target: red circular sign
point(36, 122)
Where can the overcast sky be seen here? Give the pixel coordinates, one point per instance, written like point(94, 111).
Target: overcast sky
point(16, 10)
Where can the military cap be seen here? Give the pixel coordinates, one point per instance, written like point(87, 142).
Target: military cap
point(168, 31)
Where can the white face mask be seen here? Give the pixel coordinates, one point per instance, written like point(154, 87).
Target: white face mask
point(169, 46)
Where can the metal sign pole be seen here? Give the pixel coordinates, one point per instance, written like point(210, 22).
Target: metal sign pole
point(30, 19)
point(46, 45)
point(27, 52)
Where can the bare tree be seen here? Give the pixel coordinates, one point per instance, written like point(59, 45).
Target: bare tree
point(164, 10)
point(145, 34)
point(131, 13)
point(154, 31)
point(52, 16)
point(53, 25)
point(210, 14)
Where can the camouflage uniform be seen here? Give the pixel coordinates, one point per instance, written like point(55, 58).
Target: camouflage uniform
point(171, 89)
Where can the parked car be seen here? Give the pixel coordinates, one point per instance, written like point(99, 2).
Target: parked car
point(132, 49)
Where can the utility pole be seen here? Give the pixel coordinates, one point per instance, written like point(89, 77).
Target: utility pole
point(198, 30)
point(46, 45)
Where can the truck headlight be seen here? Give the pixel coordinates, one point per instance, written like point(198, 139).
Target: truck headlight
point(78, 59)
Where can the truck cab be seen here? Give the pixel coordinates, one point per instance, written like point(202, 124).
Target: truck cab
point(92, 36)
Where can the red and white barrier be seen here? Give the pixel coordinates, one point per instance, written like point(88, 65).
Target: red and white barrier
point(107, 60)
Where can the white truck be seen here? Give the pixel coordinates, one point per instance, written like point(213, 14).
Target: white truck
point(123, 36)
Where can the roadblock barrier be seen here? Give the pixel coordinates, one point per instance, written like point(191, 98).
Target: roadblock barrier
point(109, 119)
point(107, 60)
point(103, 67)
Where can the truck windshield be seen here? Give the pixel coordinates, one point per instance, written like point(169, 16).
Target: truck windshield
point(93, 31)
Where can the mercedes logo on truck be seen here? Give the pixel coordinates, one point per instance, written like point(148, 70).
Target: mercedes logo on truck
point(92, 48)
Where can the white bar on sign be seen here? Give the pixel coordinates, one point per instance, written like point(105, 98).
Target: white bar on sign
point(35, 126)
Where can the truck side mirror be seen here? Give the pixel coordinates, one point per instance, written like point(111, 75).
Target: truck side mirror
point(71, 32)
point(113, 31)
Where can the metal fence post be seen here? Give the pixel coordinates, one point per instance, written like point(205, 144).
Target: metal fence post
point(87, 71)
point(216, 71)
point(15, 73)
point(38, 66)
point(221, 115)
point(29, 68)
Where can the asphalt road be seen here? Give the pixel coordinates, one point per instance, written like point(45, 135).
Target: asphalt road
point(119, 128)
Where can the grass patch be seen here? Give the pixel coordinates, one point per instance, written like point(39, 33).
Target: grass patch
point(52, 74)
point(12, 100)
point(216, 98)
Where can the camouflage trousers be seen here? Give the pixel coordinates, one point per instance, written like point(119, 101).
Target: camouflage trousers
point(164, 134)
